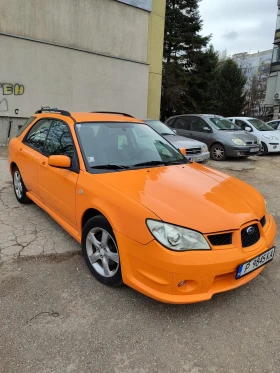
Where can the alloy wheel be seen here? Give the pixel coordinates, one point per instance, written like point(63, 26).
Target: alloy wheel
point(18, 184)
point(218, 152)
point(102, 252)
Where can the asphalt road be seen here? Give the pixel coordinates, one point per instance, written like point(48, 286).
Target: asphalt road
point(55, 317)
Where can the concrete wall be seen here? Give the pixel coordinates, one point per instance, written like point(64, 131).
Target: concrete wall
point(104, 26)
point(59, 77)
point(81, 56)
point(143, 4)
point(155, 52)
point(44, 75)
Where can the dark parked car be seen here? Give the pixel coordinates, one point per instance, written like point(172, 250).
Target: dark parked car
point(223, 137)
point(196, 151)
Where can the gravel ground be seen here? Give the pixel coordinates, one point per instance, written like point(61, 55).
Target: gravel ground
point(55, 317)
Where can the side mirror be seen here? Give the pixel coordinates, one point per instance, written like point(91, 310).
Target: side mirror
point(183, 151)
point(206, 129)
point(248, 129)
point(175, 131)
point(60, 161)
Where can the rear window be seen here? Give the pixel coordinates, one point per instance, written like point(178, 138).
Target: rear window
point(26, 124)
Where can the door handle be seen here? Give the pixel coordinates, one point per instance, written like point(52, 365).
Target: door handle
point(44, 165)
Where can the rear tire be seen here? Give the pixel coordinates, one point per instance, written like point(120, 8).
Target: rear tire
point(101, 252)
point(264, 149)
point(218, 152)
point(19, 187)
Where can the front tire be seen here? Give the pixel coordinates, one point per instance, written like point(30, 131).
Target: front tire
point(264, 149)
point(19, 187)
point(218, 152)
point(101, 252)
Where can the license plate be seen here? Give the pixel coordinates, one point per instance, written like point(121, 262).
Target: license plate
point(255, 263)
point(254, 150)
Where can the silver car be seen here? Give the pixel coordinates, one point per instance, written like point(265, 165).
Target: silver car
point(196, 151)
point(223, 138)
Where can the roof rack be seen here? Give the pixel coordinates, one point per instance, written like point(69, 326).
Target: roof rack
point(54, 110)
point(112, 112)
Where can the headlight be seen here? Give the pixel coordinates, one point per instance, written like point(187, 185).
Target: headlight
point(177, 238)
point(204, 148)
point(238, 142)
point(271, 137)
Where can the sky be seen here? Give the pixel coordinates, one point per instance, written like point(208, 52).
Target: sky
point(239, 25)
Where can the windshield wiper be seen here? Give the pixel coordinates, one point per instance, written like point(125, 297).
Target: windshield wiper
point(150, 163)
point(162, 163)
point(166, 133)
point(110, 167)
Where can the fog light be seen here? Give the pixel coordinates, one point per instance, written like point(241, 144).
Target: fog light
point(182, 283)
point(238, 153)
point(274, 147)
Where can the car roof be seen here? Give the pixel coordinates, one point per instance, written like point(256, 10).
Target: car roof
point(241, 118)
point(90, 117)
point(197, 115)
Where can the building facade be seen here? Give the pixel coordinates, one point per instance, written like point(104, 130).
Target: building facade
point(256, 67)
point(272, 99)
point(80, 56)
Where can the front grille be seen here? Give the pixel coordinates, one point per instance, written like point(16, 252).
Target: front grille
point(220, 239)
point(193, 151)
point(263, 221)
point(251, 142)
point(249, 239)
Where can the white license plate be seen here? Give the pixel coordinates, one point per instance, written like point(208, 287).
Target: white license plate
point(254, 150)
point(253, 264)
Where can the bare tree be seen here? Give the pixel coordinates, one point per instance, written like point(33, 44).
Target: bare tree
point(256, 90)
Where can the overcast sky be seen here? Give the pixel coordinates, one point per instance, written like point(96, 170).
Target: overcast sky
point(240, 25)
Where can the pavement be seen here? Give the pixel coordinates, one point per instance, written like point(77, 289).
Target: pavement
point(55, 317)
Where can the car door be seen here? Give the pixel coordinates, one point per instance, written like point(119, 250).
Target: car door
point(30, 154)
point(181, 124)
point(201, 130)
point(57, 186)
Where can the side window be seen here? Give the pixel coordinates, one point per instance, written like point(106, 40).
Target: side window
point(171, 122)
point(37, 135)
point(26, 124)
point(59, 140)
point(199, 125)
point(240, 123)
point(183, 123)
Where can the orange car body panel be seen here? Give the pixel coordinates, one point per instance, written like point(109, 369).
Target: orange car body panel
point(191, 195)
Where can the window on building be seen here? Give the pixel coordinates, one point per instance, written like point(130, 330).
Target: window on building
point(276, 55)
point(278, 22)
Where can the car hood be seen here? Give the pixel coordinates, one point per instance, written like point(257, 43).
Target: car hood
point(244, 135)
point(183, 142)
point(191, 195)
point(270, 133)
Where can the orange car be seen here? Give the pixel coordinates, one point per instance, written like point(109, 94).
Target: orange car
point(176, 231)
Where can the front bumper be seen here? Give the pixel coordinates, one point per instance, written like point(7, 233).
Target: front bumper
point(243, 151)
point(156, 271)
point(199, 158)
point(273, 147)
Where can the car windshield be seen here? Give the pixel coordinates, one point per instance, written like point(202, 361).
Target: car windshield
point(119, 146)
point(260, 125)
point(223, 124)
point(274, 125)
point(160, 127)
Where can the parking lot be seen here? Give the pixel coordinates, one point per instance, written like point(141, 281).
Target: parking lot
point(55, 317)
